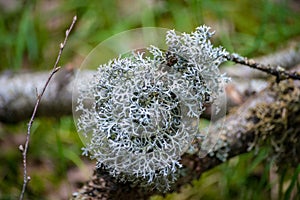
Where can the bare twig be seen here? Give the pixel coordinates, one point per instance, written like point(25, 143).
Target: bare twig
point(278, 71)
point(24, 149)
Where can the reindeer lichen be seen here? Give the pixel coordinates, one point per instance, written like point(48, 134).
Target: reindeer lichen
point(140, 113)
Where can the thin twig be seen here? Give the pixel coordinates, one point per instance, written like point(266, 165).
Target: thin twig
point(279, 72)
point(24, 149)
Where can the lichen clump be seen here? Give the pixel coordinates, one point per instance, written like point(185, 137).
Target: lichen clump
point(140, 113)
point(278, 117)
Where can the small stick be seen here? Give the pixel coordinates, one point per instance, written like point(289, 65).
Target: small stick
point(24, 149)
point(279, 72)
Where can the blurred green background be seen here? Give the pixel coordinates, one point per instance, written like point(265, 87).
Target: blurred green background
point(30, 33)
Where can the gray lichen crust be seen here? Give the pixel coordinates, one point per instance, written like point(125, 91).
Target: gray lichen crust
point(140, 113)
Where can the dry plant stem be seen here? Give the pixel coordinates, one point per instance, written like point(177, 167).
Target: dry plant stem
point(24, 149)
point(278, 71)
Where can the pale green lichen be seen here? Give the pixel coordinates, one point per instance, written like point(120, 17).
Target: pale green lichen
point(139, 114)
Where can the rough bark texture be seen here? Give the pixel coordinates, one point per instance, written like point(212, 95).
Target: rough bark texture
point(270, 117)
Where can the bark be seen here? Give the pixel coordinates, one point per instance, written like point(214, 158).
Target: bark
point(271, 118)
point(286, 58)
point(18, 91)
point(18, 94)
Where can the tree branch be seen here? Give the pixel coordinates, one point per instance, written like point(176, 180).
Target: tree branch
point(286, 58)
point(278, 71)
point(270, 116)
point(275, 111)
point(18, 95)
